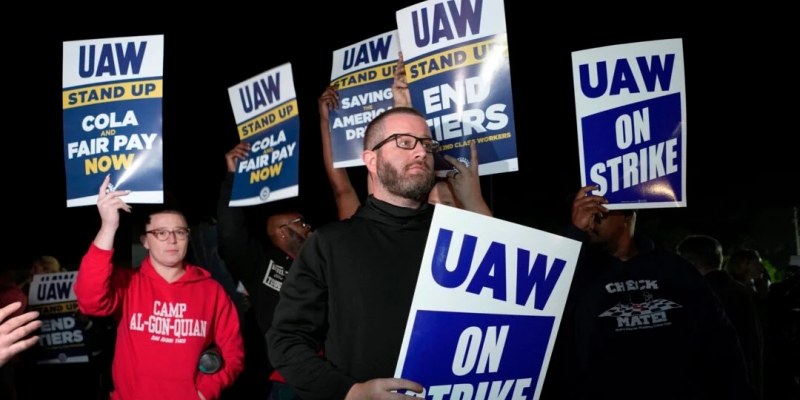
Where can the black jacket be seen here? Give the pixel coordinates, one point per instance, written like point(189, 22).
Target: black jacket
point(260, 268)
point(646, 328)
point(742, 312)
point(350, 291)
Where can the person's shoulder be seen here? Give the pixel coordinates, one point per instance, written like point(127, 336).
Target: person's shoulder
point(337, 229)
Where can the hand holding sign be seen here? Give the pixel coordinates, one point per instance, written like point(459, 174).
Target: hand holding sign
point(14, 330)
point(239, 153)
point(328, 101)
point(466, 182)
point(382, 389)
point(586, 208)
point(400, 92)
point(109, 204)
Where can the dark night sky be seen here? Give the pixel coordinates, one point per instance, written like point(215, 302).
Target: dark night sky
point(741, 156)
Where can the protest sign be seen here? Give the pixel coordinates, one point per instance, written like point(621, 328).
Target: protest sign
point(630, 103)
point(112, 92)
point(265, 109)
point(363, 75)
point(456, 60)
point(487, 307)
point(61, 339)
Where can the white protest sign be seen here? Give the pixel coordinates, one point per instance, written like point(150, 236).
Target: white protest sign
point(487, 307)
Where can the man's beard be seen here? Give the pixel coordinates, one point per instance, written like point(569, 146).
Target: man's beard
point(413, 187)
point(296, 241)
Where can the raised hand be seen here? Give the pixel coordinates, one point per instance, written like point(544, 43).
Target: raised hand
point(586, 207)
point(109, 204)
point(466, 181)
point(237, 154)
point(328, 101)
point(400, 92)
point(14, 330)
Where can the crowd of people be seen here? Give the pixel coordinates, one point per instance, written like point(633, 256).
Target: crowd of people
point(327, 308)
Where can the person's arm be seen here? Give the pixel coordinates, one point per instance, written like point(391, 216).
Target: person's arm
point(720, 353)
point(99, 288)
point(300, 326)
point(237, 248)
point(229, 340)
point(343, 192)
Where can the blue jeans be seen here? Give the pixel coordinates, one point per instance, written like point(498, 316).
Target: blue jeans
point(282, 391)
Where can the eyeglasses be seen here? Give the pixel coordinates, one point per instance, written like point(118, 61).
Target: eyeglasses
point(302, 222)
point(163, 234)
point(407, 141)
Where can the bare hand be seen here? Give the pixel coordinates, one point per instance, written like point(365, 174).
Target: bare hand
point(400, 92)
point(110, 203)
point(586, 207)
point(466, 180)
point(237, 154)
point(328, 101)
point(13, 330)
point(381, 389)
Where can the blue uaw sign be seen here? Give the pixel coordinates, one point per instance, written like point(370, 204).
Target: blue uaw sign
point(61, 337)
point(487, 307)
point(363, 74)
point(630, 102)
point(265, 109)
point(456, 60)
point(112, 91)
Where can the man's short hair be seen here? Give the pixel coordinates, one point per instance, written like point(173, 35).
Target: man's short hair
point(375, 128)
point(703, 250)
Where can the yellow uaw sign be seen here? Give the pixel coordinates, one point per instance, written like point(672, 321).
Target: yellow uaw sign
point(61, 337)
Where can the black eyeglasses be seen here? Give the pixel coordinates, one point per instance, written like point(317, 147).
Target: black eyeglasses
point(407, 141)
point(163, 234)
point(302, 222)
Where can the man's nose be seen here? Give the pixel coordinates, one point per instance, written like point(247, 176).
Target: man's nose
point(172, 238)
point(419, 151)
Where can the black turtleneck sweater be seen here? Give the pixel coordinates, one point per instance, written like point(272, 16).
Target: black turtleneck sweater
point(349, 292)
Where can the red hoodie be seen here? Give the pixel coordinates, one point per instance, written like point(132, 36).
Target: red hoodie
point(163, 328)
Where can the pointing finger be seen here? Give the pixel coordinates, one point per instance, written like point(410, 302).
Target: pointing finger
point(473, 157)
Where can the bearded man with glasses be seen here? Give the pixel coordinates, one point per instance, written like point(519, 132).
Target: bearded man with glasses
point(352, 284)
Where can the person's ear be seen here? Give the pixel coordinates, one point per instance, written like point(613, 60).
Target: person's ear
point(143, 240)
point(370, 159)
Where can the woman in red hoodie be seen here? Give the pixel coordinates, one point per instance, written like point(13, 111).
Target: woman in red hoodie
point(169, 312)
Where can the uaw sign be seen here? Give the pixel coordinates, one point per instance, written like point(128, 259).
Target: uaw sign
point(487, 307)
point(630, 102)
point(61, 338)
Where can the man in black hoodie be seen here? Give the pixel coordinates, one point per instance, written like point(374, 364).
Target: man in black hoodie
point(351, 287)
point(261, 267)
point(639, 323)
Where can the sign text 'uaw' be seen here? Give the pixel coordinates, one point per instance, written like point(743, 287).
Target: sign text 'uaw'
point(265, 109)
point(363, 75)
point(456, 60)
point(487, 307)
point(630, 102)
point(112, 94)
